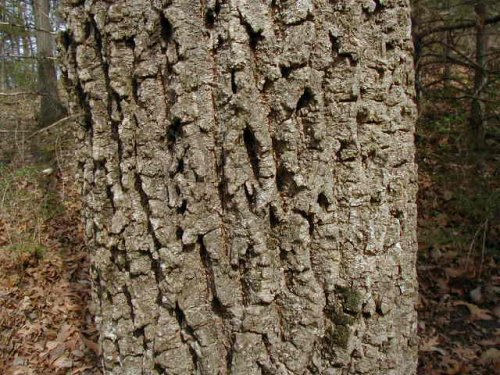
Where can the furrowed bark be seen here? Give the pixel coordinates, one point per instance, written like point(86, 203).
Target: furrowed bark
point(250, 184)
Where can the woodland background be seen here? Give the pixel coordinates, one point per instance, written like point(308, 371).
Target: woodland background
point(46, 320)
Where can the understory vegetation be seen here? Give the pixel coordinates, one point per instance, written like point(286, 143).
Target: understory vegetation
point(459, 237)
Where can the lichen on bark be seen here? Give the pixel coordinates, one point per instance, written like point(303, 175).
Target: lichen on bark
point(249, 182)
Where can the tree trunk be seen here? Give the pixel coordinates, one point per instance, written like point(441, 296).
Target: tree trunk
point(249, 175)
point(478, 114)
point(51, 108)
point(24, 14)
point(3, 70)
point(447, 82)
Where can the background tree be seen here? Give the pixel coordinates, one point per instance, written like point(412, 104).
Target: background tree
point(452, 37)
point(249, 181)
point(27, 67)
point(51, 108)
point(458, 133)
point(16, 67)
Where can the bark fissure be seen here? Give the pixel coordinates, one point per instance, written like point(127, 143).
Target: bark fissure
point(188, 336)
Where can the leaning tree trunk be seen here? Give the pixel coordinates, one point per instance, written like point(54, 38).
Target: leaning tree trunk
point(250, 184)
point(51, 108)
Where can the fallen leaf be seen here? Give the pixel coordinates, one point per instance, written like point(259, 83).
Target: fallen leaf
point(491, 356)
point(90, 344)
point(63, 362)
point(465, 353)
point(454, 367)
point(455, 272)
point(496, 311)
point(51, 345)
point(65, 331)
point(476, 295)
point(476, 313)
point(80, 370)
point(431, 345)
point(22, 371)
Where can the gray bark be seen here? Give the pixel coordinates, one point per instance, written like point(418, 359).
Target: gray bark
point(248, 169)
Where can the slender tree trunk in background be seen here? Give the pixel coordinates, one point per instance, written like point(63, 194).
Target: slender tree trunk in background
point(3, 70)
point(478, 114)
point(250, 184)
point(27, 47)
point(447, 65)
point(51, 108)
point(417, 55)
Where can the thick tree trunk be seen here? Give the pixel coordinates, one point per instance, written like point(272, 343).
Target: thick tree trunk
point(51, 108)
point(250, 184)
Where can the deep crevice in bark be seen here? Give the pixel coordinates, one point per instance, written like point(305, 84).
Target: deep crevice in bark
point(230, 352)
point(179, 232)
point(166, 29)
point(323, 201)
point(254, 36)
point(285, 182)
point(83, 101)
point(244, 268)
point(310, 219)
point(206, 261)
point(335, 43)
point(250, 195)
point(212, 14)
point(252, 148)
point(135, 89)
point(274, 220)
point(183, 207)
point(285, 71)
point(174, 132)
point(181, 320)
point(287, 272)
point(234, 87)
point(160, 369)
point(128, 297)
point(305, 100)
point(147, 210)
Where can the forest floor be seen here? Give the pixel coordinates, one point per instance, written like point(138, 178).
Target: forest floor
point(459, 248)
point(46, 324)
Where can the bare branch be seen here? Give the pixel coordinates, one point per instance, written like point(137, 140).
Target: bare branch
point(28, 57)
point(59, 122)
point(26, 28)
point(20, 93)
point(457, 26)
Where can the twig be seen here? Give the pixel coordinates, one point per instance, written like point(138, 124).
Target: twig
point(482, 250)
point(26, 27)
point(58, 122)
point(471, 248)
point(8, 55)
point(20, 93)
point(462, 25)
